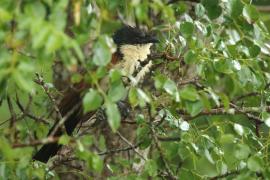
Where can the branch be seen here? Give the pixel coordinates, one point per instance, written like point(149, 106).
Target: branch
point(47, 140)
point(120, 149)
point(156, 142)
point(130, 144)
point(225, 175)
point(12, 112)
point(41, 82)
point(25, 111)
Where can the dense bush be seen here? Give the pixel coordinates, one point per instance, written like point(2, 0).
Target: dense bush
point(203, 111)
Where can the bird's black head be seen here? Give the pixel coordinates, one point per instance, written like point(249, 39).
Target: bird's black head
point(132, 35)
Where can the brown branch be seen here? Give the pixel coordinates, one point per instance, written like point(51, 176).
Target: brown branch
point(168, 138)
point(263, 8)
point(12, 112)
point(120, 149)
point(245, 96)
point(47, 140)
point(225, 175)
point(130, 144)
point(25, 111)
point(40, 81)
point(156, 142)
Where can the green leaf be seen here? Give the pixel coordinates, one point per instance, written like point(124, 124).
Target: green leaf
point(227, 139)
point(239, 129)
point(54, 42)
point(117, 91)
point(133, 96)
point(102, 54)
point(250, 13)
point(96, 163)
point(241, 151)
point(160, 81)
point(255, 164)
point(40, 39)
point(225, 100)
point(170, 87)
point(189, 93)
point(254, 50)
point(194, 108)
point(35, 9)
point(223, 65)
point(64, 139)
point(187, 28)
point(213, 8)
point(113, 115)
point(151, 168)
point(190, 57)
point(214, 12)
point(115, 75)
point(92, 100)
point(23, 82)
point(235, 8)
point(204, 167)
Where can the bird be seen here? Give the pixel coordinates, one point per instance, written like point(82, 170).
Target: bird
point(131, 57)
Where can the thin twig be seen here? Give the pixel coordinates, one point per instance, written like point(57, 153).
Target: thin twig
point(130, 144)
point(47, 140)
point(112, 151)
point(12, 112)
point(39, 80)
point(25, 111)
point(156, 142)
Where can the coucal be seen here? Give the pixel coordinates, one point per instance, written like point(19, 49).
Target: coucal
point(133, 47)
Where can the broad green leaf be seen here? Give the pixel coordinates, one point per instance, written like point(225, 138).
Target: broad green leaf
point(159, 81)
point(113, 115)
point(64, 139)
point(235, 8)
point(225, 100)
point(250, 13)
point(115, 75)
point(223, 65)
point(254, 50)
point(55, 41)
point(187, 28)
point(194, 108)
point(255, 164)
point(170, 87)
point(102, 53)
point(241, 151)
point(190, 57)
point(96, 163)
point(214, 12)
point(117, 91)
point(189, 93)
point(133, 96)
point(227, 139)
point(92, 100)
point(204, 167)
point(40, 38)
point(151, 168)
point(23, 82)
point(239, 129)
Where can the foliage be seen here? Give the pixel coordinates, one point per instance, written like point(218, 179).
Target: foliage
point(204, 113)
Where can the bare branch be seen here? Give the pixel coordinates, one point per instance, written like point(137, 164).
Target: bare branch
point(129, 143)
point(39, 80)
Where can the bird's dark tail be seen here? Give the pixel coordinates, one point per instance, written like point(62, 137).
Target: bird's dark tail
point(46, 152)
point(70, 108)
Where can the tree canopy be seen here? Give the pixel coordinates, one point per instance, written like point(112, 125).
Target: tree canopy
point(203, 112)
